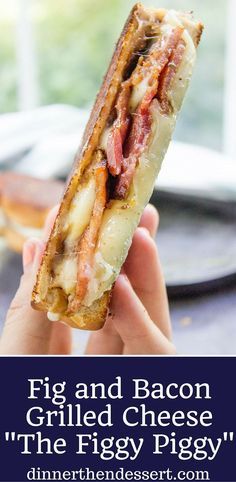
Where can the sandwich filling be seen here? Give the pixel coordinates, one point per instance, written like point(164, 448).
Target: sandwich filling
point(97, 230)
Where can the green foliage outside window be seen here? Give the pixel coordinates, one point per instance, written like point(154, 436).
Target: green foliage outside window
point(74, 42)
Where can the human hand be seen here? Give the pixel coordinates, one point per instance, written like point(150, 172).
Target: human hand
point(27, 331)
point(138, 323)
point(139, 320)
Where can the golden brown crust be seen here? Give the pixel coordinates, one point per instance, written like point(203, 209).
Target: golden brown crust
point(99, 115)
point(111, 82)
point(199, 32)
point(194, 28)
point(94, 316)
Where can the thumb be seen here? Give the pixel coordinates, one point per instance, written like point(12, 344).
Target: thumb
point(26, 331)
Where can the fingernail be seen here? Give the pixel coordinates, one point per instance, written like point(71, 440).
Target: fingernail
point(145, 231)
point(29, 251)
point(152, 208)
point(123, 276)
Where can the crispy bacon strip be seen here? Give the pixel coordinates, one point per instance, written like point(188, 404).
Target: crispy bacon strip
point(137, 139)
point(89, 239)
point(123, 148)
point(161, 60)
point(157, 59)
point(118, 132)
point(168, 74)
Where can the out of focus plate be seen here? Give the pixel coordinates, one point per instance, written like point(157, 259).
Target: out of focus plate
point(197, 242)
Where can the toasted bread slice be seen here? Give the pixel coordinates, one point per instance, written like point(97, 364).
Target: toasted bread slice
point(120, 216)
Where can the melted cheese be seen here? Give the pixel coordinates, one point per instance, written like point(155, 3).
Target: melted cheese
point(121, 218)
point(138, 93)
point(53, 316)
point(80, 212)
point(65, 272)
point(79, 215)
point(104, 138)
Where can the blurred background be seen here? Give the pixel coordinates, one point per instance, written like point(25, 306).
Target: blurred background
point(53, 56)
point(57, 51)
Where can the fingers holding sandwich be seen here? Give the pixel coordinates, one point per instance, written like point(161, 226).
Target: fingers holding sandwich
point(139, 299)
point(106, 341)
point(61, 335)
point(132, 321)
point(150, 220)
point(27, 331)
point(136, 303)
point(144, 271)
